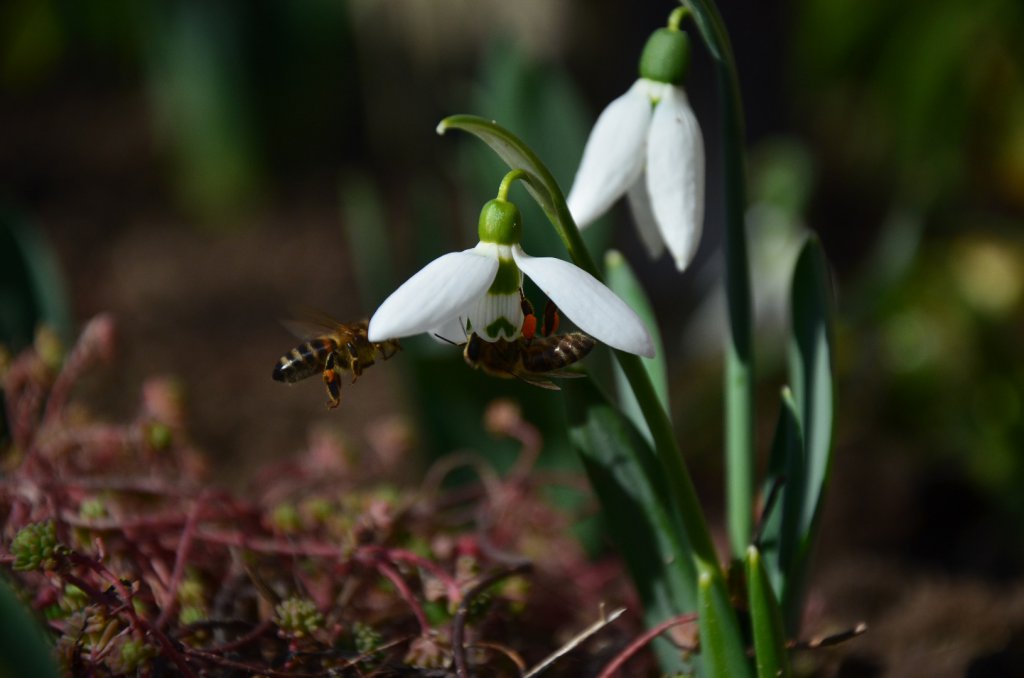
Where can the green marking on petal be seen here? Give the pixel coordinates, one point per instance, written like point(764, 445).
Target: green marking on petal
point(501, 325)
point(508, 280)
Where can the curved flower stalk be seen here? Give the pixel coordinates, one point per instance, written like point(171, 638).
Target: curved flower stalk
point(647, 145)
point(479, 290)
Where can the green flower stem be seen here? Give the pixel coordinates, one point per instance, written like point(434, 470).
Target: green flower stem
point(739, 356)
point(676, 17)
point(506, 183)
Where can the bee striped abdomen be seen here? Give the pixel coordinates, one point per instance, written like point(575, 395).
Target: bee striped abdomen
point(304, 360)
point(557, 351)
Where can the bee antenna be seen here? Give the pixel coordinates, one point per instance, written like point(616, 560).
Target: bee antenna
point(445, 339)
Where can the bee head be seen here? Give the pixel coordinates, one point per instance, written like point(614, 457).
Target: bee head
point(472, 350)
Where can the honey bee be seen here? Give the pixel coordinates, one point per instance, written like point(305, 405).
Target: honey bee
point(528, 359)
point(332, 349)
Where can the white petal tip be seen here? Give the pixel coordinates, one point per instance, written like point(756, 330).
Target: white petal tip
point(441, 128)
point(683, 263)
point(643, 348)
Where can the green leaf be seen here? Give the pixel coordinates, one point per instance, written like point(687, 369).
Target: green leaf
point(765, 620)
point(721, 647)
point(32, 290)
point(811, 357)
point(23, 647)
point(784, 484)
point(810, 362)
point(739, 351)
point(623, 282)
point(624, 474)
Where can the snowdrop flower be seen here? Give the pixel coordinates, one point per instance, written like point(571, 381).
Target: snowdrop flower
point(478, 290)
point(647, 144)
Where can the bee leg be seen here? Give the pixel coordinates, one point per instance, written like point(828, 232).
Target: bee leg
point(332, 381)
point(551, 319)
point(529, 318)
point(357, 365)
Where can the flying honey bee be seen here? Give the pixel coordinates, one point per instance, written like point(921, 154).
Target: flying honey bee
point(332, 349)
point(528, 359)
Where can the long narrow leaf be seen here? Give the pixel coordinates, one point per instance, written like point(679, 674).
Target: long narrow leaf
point(810, 362)
point(635, 505)
point(24, 650)
point(717, 633)
point(765, 621)
point(739, 354)
point(811, 368)
point(623, 282)
point(784, 487)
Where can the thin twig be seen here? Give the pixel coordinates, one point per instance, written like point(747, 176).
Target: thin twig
point(180, 559)
point(504, 651)
point(825, 641)
point(583, 635)
point(640, 642)
point(386, 569)
point(395, 554)
point(459, 622)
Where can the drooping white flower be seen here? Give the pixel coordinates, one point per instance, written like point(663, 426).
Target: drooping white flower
point(478, 290)
point(647, 145)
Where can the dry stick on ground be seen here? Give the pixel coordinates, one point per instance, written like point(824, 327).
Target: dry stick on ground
point(572, 644)
point(825, 641)
point(459, 623)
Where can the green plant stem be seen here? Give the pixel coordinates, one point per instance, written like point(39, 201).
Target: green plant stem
point(739, 356)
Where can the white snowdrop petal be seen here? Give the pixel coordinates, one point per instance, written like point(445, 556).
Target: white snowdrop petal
point(640, 207)
point(583, 299)
point(675, 175)
point(613, 157)
point(440, 291)
point(452, 331)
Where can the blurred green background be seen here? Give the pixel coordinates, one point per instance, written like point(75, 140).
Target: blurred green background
point(202, 168)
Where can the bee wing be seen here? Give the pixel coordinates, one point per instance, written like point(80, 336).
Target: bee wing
point(565, 374)
point(535, 381)
point(307, 323)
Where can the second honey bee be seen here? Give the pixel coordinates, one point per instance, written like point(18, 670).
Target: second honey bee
point(528, 359)
point(332, 349)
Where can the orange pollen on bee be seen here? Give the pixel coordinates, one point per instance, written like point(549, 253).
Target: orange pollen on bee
point(529, 326)
point(330, 376)
point(551, 319)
